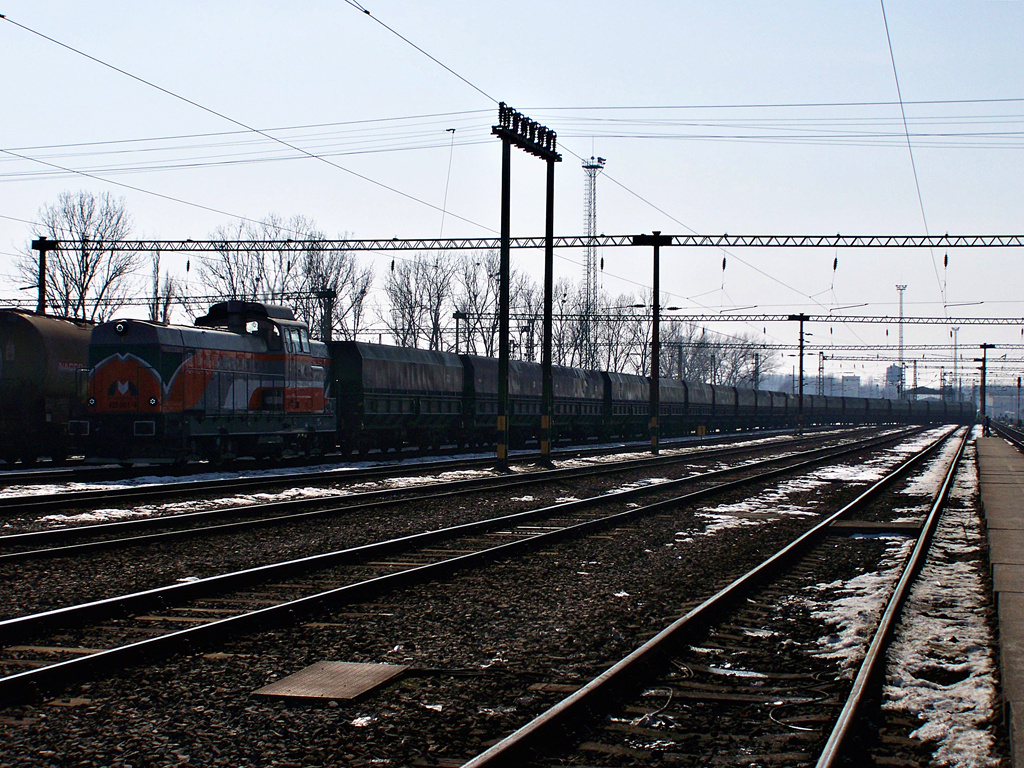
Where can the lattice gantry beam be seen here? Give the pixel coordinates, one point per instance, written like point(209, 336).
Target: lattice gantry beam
point(578, 241)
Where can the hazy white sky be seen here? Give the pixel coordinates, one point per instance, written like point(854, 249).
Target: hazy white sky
point(739, 117)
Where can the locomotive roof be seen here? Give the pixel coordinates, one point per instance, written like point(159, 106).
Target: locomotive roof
point(234, 311)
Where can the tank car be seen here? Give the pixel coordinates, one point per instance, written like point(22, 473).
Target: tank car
point(246, 380)
point(41, 363)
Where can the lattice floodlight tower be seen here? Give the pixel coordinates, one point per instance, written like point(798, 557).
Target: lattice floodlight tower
point(592, 168)
point(901, 384)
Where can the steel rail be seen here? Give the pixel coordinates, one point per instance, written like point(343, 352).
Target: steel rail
point(27, 503)
point(623, 677)
point(1010, 433)
point(31, 683)
point(278, 514)
point(22, 504)
point(873, 664)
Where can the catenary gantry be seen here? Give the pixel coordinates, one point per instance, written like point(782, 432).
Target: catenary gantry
point(601, 241)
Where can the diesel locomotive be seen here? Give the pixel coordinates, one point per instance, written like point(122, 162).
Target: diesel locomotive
point(248, 380)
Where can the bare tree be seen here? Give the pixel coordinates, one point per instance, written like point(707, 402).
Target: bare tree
point(243, 270)
point(435, 284)
point(621, 337)
point(81, 280)
point(162, 298)
point(477, 279)
point(313, 280)
point(697, 354)
point(403, 320)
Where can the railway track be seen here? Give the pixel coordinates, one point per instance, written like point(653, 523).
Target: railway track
point(270, 476)
point(735, 680)
point(78, 470)
point(156, 622)
point(351, 494)
point(1009, 432)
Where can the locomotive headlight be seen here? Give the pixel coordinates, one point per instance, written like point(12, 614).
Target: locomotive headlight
point(121, 327)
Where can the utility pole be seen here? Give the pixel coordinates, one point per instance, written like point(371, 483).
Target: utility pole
point(547, 397)
point(984, 370)
point(801, 318)
point(43, 245)
point(657, 240)
point(954, 331)
point(327, 297)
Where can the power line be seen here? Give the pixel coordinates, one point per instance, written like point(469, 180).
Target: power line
point(130, 186)
point(778, 105)
point(223, 117)
point(402, 37)
point(910, 147)
point(281, 129)
point(15, 218)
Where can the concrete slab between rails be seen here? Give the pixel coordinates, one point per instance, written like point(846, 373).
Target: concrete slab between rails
point(1001, 476)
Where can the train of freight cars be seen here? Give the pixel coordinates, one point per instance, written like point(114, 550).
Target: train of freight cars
point(247, 380)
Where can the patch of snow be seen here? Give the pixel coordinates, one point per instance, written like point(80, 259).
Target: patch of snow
point(853, 608)
point(941, 665)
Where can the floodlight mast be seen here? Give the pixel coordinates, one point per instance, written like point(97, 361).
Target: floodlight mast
point(592, 167)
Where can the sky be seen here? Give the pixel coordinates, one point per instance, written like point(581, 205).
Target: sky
point(736, 117)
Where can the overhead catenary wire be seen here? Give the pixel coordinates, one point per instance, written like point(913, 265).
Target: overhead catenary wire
point(262, 132)
point(443, 207)
point(910, 146)
point(437, 61)
point(229, 119)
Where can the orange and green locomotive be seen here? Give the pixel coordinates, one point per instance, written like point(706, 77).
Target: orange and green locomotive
point(245, 380)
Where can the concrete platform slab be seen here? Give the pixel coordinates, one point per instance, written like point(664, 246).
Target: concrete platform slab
point(1007, 578)
point(1001, 475)
point(1006, 546)
point(1001, 470)
point(1011, 646)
